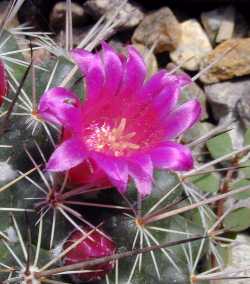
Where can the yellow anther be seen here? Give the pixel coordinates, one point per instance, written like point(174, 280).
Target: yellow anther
point(112, 139)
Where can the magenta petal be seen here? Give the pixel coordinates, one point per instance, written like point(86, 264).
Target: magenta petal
point(183, 80)
point(60, 106)
point(92, 68)
point(134, 72)
point(113, 70)
point(172, 156)
point(95, 78)
point(167, 99)
point(67, 155)
point(140, 168)
point(82, 58)
point(182, 118)
point(115, 168)
point(3, 82)
point(154, 85)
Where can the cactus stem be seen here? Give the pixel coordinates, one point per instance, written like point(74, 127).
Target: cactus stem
point(4, 113)
point(9, 209)
point(117, 256)
point(153, 256)
point(6, 146)
point(164, 197)
point(128, 202)
point(53, 228)
point(63, 212)
point(91, 204)
point(13, 254)
point(169, 231)
point(19, 236)
point(210, 134)
point(39, 240)
point(9, 184)
point(219, 160)
point(195, 205)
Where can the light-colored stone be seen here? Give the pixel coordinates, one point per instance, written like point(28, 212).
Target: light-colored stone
point(211, 22)
point(159, 29)
point(58, 15)
point(235, 63)
point(128, 17)
point(224, 23)
point(225, 100)
point(223, 97)
point(226, 29)
point(7, 173)
point(239, 258)
point(243, 110)
point(193, 46)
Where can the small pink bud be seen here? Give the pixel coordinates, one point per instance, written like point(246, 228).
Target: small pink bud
point(95, 246)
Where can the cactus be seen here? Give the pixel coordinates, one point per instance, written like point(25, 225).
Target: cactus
point(61, 220)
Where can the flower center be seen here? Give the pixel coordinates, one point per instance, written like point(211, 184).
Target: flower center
point(113, 140)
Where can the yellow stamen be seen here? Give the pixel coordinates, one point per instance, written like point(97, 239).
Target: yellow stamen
point(112, 139)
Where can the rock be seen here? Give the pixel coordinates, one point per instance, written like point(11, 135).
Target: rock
point(234, 64)
point(192, 91)
point(78, 36)
point(243, 110)
point(3, 10)
point(35, 13)
point(194, 45)
point(224, 23)
point(58, 15)
point(239, 256)
point(129, 16)
point(226, 29)
point(159, 28)
point(7, 172)
point(211, 22)
point(224, 99)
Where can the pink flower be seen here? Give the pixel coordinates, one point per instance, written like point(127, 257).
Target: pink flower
point(87, 173)
point(127, 126)
point(3, 83)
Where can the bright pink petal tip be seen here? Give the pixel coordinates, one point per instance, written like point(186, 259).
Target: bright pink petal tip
point(60, 106)
point(183, 118)
point(172, 156)
point(113, 70)
point(3, 83)
point(134, 72)
point(82, 58)
point(68, 155)
point(125, 126)
point(141, 170)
